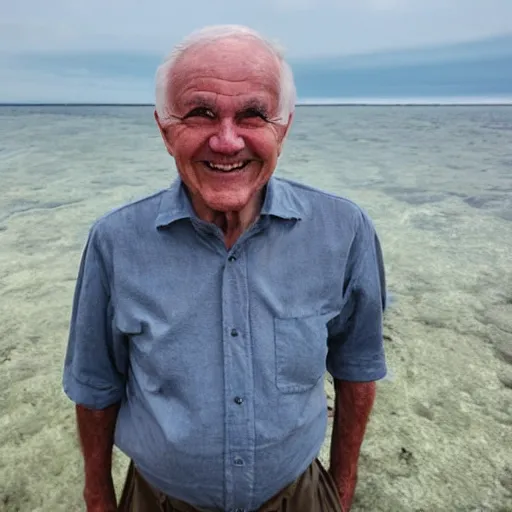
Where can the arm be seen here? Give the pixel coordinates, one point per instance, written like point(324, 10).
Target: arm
point(96, 433)
point(356, 355)
point(353, 404)
point(93, 374)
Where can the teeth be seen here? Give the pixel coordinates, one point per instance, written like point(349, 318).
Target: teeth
point(226, 167)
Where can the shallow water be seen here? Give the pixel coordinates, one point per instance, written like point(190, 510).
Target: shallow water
point(437, 182)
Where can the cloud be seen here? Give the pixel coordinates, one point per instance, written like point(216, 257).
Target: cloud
point(386, 5)
point(481, 69)
point(71, 86)
point(304, 26)
point(294, 5)
point(130, 29)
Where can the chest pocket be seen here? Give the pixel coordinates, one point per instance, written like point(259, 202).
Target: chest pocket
point(301, 351)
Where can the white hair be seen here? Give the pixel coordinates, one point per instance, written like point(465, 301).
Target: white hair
point(287, 95)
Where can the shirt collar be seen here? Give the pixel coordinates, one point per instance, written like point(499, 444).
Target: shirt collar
point(279, 202)
point(174, 205)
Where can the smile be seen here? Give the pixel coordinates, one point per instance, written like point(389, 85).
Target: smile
point(235, 166)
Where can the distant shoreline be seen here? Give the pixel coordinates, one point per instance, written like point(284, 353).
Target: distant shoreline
point(308, 104)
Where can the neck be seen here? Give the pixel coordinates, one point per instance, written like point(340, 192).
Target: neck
point(232, 223)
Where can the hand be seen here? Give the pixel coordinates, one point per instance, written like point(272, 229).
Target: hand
point(346, 487)
point(100, 500)
point(102, 508)
point(100, 504)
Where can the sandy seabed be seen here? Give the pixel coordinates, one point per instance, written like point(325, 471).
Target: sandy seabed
point(438, 183)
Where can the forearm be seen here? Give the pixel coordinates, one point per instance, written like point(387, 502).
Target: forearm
point(353, 404)
point(96, 432)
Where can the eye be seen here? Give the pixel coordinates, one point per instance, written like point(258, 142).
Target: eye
point(200, 112)
point(252, 113)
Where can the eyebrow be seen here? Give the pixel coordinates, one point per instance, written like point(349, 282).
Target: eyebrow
point(250, 104)
point(198, 102)
point(256, 105)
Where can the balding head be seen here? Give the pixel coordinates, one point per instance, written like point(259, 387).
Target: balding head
point(224, 107)
point(233, 43)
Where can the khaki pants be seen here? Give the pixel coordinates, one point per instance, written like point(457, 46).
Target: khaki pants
point(313, 491)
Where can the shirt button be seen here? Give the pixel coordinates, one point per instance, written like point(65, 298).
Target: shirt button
point(238, 461)
point(234, 333)
point(239, 400)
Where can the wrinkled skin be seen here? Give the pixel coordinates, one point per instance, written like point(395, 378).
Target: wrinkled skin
point(224, 106)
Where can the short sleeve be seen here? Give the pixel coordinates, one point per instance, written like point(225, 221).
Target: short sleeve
point(355, 343)
point(93, 365)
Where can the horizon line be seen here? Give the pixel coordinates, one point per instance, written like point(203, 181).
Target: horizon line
point(506, 103)
point(333, 101)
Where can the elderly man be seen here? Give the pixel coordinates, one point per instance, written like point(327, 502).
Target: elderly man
point(206, 315)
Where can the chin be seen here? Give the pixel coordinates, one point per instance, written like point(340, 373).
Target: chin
point(226, 192)
point(228, 201)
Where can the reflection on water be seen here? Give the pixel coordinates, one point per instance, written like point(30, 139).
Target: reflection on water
point(438, 183)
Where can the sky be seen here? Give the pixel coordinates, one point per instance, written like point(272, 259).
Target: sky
point(108, 50)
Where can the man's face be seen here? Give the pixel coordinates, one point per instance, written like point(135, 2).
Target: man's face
point(225, 142)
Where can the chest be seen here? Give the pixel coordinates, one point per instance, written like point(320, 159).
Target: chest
point(276, 272)
point(187, 302)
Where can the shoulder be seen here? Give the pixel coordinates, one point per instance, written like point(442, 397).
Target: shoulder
point(122, 225)
point(130, 217)
point(331, 208)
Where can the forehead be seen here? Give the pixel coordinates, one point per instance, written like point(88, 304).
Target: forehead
point(227, 71)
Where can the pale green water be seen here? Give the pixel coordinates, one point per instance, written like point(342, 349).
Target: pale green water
point(438, 183)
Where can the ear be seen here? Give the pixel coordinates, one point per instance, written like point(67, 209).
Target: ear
point(165, 134)
point(285, 131)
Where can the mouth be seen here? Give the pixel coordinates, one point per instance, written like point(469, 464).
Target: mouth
point(226, 168)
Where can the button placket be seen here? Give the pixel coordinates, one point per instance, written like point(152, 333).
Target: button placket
point(238, 372)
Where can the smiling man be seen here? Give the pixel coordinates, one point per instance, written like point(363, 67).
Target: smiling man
point(206, 315)
point(221, 124)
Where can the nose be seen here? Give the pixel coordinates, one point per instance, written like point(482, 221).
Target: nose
point(226, 140)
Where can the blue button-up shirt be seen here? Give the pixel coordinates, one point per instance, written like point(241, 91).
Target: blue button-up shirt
point(218, 356)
